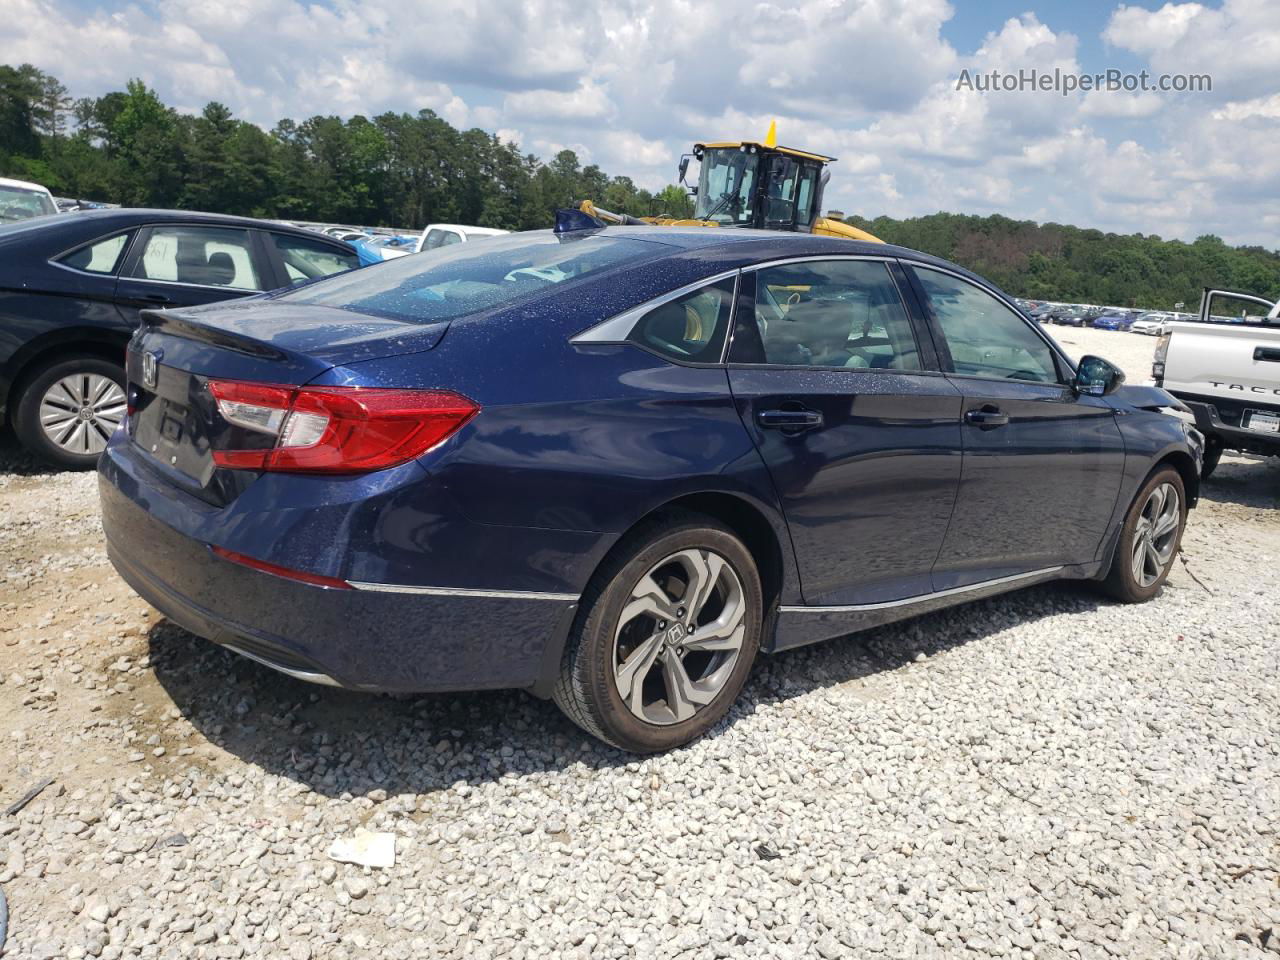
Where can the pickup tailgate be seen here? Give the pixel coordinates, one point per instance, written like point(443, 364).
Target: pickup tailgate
point(1225, 361)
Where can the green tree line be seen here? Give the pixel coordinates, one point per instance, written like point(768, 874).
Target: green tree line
point(395, 169)
point(1074, 265)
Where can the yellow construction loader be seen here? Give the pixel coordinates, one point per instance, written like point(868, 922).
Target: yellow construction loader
point(749, 184)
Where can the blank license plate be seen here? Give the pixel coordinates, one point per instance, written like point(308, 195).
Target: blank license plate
point(1262, 422)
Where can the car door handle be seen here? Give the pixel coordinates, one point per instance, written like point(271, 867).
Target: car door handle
point(789, 420)
point(986, 417)
point(1266, 353)
point(157, 298)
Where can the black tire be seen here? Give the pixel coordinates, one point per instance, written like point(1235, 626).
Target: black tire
point(1122, 582)
point(587, 690)
point(26, 418)
point(1212, 456)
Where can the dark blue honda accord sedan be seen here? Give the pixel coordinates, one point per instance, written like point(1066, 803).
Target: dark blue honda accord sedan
point(611, 466)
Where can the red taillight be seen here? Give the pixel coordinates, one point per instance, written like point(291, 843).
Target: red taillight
point(337, 429)
point(274, 569)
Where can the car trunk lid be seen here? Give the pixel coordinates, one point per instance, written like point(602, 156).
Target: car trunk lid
point(174, 418)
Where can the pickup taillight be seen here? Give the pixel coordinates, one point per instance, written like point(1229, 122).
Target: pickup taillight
point(1157, 359)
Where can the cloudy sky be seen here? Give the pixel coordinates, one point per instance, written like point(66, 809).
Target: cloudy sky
point(629, 84)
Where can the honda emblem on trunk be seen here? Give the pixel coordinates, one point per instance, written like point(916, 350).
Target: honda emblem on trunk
point(150, 360)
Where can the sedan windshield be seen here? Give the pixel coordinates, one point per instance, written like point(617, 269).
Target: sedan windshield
point(466, 278)
point(18, 203)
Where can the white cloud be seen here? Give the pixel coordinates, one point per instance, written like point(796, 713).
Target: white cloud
point(1152, 31)
point(1259, 108)
point(1237, 44)
point(588, 102)
point(1104, 103)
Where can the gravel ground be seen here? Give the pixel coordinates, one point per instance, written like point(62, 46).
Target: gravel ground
point(1046, 774)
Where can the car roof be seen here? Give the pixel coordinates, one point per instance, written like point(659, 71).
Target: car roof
point(127, 216)
point(768, 243)
point(462, 227)
point(22, 184)
point(43, 236)
point(745, 245)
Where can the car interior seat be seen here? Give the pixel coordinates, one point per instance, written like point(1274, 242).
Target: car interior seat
point(220, 270)
point(670, 326)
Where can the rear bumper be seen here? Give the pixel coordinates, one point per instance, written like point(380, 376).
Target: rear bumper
point(1210, 423)
point(383, 639)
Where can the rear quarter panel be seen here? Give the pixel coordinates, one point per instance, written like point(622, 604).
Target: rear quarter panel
point(579, 440)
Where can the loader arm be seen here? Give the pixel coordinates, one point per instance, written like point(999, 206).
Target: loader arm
point(826, 227)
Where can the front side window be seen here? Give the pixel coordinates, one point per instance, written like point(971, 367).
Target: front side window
point(306, 259)
point(690, 328)
point(102, 256)
point(826, 313)
point(985, 338)
point(202, 256)
point(470, 277)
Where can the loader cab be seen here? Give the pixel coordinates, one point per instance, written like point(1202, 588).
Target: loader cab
point(754, 185)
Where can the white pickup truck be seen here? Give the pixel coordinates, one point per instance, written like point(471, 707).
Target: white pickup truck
point(1228, 374)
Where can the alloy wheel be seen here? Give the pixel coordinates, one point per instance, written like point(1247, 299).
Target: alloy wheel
point(80, 412)
point(679, 636)
point(1156, 534)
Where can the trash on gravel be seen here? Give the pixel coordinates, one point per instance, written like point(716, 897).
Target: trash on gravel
point(27, 797)
point(366, 848)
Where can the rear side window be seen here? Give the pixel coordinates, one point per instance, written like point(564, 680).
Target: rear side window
point(691, 328)
point(471, 277)
point(202, 256)
point(306, 259)
point(101, 256)
point(826, 313)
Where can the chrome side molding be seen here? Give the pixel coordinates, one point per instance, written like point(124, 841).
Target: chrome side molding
point(463, 592)
point(924, 597)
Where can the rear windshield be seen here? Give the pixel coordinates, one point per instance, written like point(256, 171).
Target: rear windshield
point(470, 277)
point(18, 203)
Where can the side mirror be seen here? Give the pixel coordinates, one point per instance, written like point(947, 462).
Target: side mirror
point(1096, 377)
point(684, 167)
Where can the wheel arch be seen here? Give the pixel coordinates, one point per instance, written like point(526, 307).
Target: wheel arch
point(765, 537)
point(1181, 461)
point(753, 528)
point(40, 353)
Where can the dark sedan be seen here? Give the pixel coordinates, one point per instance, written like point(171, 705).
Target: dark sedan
point(611, 466)
point(71, 287)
